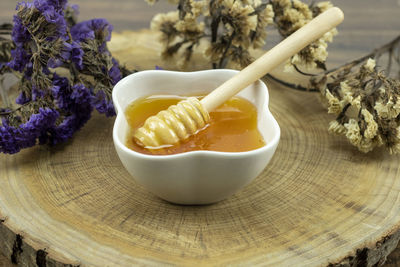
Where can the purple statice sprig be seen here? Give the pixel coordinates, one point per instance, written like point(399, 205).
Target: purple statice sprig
point(15, 138)
point(53, 105)
point(98, 62)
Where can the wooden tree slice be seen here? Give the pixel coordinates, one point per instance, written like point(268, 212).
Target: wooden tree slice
point(319, 201)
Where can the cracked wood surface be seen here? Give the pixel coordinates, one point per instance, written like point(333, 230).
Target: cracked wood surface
point(320, 201)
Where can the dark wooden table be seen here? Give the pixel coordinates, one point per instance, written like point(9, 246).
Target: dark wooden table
point(368, 24)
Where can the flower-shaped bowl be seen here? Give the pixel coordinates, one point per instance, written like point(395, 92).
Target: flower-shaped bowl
point(197, 177)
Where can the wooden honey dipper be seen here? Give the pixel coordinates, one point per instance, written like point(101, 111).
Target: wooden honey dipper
point(189, 116)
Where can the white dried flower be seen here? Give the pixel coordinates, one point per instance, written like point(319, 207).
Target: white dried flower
point(353, 132)
point(240, 19)
point(165, 23)
point(159, 19)
point(284, 3)
point(356, 102)
point(199, 7)
point(389, 110)
point(291, 16)
point(304, 9)
point(328, 36)
point(372, 127)
point(336, 128)
point(370, 65)
point(365, 145)
point(334, 105)
point(318, 51)
point(190, 26)
point(264, 18)
point(346, 92)
point(396, 106)
point(289, 66)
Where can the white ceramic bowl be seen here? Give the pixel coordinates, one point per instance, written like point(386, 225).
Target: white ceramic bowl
point(198, 177)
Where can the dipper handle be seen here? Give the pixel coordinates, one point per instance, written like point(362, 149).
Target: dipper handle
point(271, 59)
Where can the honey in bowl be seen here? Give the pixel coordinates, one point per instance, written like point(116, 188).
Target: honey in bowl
point(232, 126)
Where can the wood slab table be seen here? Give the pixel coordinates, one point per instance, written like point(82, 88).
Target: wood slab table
point(319, 202)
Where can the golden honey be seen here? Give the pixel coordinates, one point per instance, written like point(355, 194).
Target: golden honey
point(232, 126)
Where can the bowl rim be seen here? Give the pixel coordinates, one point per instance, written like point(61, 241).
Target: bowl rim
point(270, 145)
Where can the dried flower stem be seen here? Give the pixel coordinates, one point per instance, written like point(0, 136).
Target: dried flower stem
point(291, 85)
point(388, 48)
point(376, 54)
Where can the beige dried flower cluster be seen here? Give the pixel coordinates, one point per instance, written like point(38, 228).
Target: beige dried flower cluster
point(243, 25)
point(231, 27)
point(291, 15)
point(367, 107)
point(181, 30)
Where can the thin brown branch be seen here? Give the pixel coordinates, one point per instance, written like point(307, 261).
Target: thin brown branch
point(302, 72)
point(376, 53)
point(291, 85)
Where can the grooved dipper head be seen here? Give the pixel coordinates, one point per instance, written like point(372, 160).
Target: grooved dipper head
point(175, 124)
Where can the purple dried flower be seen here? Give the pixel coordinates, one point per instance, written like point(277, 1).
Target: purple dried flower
point(22, 99)
point(114, 72)
point(13, 139)
point(72, 99)
point(19, 60)
point(58, 4)
point(81, 99)
point(64, 131)
point(45, 119)
point(75, 8)
point(71, 52)
point(37, 93)
point(53, 13)
point(38, 126)
point(73, 122)
point(77, 55)
point(103, 105)
point(75, 100)
point(20, 34)
point(57, 62)
point(61, 91)
point(8, 142)
point(81, 32)
point(91, 29)
point(24, 4)
point(80, 95)
point(28, 70)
